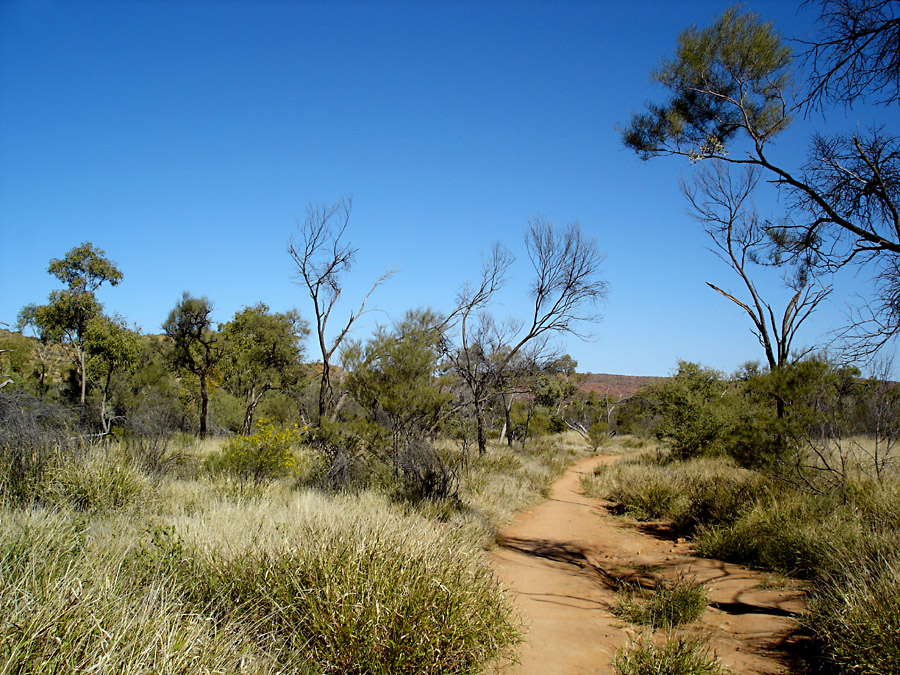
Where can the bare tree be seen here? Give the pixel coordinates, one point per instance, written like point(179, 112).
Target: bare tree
point(565, 292)
point(470, 359)
point(856, 54)
point(322, 256)
point(723, 205)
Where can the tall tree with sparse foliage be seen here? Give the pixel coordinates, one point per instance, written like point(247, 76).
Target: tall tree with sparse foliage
point(731, 88)
point(65, 317)
point(196, 348)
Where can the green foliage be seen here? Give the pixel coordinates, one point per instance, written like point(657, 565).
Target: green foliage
point(69, 312)
point(676, 656)
point(85, 268)
point(393, 375)
point(725, 79)
point(195, 348)
point(598, 434)
point(695, 411)
point(665, 606)
point(263, 353)
point(266, 454)
point(111, 347)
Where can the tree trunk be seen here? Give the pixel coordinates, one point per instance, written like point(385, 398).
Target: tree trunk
point(204, 406)
point(253, 400)
point(82, 374)
point(480, 424)
point(506, 434)
point(324, 386)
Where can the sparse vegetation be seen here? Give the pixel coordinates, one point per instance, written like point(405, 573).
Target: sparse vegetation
point(667, 605)
point(676, 656)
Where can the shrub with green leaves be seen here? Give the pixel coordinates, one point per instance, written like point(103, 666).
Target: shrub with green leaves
point(695, 410)
point(264, 455)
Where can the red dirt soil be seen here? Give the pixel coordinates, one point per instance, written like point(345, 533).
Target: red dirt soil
point(563, 559)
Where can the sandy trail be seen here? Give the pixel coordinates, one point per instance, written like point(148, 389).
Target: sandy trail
point(563, 558)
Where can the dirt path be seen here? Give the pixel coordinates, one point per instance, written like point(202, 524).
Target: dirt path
point(563, 559)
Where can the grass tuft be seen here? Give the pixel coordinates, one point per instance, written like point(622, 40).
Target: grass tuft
point(666, 606)
point(678, 656)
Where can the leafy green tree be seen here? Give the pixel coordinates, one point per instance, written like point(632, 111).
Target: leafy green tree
point(112, 347)
point(695, 411)
point(729, 97)
point(196, 348)
point(65, 318)
point(393, 377)
point(264, 352)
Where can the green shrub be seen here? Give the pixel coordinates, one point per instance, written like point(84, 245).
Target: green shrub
point(598, 434)
point(679, 656)
point(666, 606)
point(266, 454)
point(695, 411)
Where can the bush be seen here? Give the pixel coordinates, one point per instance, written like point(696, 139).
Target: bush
point(33, 435)
point(598, 434)
point(262, 456)
point(679, 656)
point(666, 606)
point(695, 411)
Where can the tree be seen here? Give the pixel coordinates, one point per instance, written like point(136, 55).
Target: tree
point(857, 53)
point(564, 292)
point(393, 377)
point(264, 352)
point(322, 257)
point(111, 347)
point(722, 204)
point(65, 318)
point(196, 348)
point(729, 98)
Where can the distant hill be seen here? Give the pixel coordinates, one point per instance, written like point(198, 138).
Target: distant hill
point(617, 386)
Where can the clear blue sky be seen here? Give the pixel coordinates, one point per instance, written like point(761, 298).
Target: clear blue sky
point(186, 138)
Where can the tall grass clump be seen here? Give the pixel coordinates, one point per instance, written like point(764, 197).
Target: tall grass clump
point(348, 584)
point(855, 616)
point(691, 493)
point(676, 656)
point(96, 479)
point(68, 605)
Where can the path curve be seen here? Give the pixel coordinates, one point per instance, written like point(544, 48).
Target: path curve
point(562, 559)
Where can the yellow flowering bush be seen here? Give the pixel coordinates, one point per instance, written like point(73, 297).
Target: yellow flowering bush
point(266, 454)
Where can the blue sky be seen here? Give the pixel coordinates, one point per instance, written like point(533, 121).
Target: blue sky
point(186, 139)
